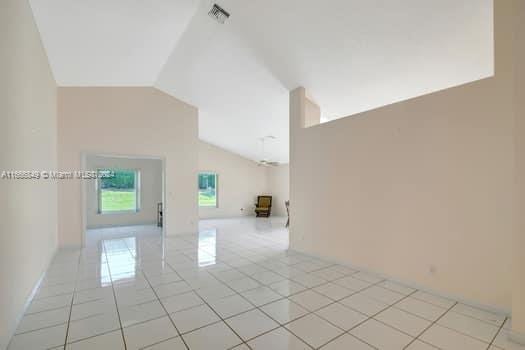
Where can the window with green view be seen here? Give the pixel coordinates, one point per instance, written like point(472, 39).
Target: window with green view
point(118, 190)
point(208, 189)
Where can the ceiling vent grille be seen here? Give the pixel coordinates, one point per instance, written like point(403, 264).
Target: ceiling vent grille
point(218, 13)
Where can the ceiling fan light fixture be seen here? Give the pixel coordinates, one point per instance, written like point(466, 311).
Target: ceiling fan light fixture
point(265, 161)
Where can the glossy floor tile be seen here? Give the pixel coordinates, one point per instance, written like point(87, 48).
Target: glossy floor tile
point(381, 336)
point(278, 339)
point(235, 285)
point(141, 335)
point(284, 311)
point(251, 324)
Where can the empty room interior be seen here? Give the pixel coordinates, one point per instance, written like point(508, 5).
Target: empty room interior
point(262, 175)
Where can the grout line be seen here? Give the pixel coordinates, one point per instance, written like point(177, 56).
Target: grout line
point(218, 315)
point(93, 336)
point(497, 333)
point(454, 329)
point(286, 298)
point(42, 328)
point(259, 256)
point(262, 285)
point(163, 307)
point(369, 317)
point(115, 297)
point(160, 342)
point(430, 325)
point(71, 305)
point(233, 268)
point(465, 334)
point(51, 309)
point(54, 295)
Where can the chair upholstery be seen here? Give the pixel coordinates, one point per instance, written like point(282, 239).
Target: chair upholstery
point(263, 207)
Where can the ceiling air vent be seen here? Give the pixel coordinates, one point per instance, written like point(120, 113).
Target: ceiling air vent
point(218, 13)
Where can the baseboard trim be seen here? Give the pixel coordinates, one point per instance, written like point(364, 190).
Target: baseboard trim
point(145, 223)
point(205, 218)
point(70, 247)
point(28, 301)
point(490, 308)
point(516, 337)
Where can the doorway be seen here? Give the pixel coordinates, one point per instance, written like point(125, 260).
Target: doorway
point(127, 196)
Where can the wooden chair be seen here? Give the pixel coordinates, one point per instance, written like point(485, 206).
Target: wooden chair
point(159, 215)
point(263, 207)
point(287, 205)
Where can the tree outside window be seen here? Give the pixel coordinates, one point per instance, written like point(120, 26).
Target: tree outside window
point(208, 189)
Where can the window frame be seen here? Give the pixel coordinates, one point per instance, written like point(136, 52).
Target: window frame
point(137, 192)
point(209, 172)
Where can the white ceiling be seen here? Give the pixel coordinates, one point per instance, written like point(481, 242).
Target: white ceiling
point(351, 55)
point(110, 42)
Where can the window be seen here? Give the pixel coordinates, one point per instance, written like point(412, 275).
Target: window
point(208, 190)
point(118, 190)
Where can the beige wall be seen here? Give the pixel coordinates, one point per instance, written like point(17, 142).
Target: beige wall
point(518, 298)
point(240, 180)
point(278, 184)
point(420, 190)
point(28, 213)
point(128, 121)
point(150, 191)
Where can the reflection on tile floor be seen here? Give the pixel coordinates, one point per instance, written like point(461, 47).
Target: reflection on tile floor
point(234, 285)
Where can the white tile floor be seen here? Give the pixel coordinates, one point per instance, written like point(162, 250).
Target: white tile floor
point(235, 286)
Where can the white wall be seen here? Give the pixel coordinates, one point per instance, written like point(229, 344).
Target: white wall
point(278, 184)
point(150, 191)
point(139, 121)
point(28, 141)
point(420, 190)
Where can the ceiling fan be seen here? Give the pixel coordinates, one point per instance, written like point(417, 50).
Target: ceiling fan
point(265, 161)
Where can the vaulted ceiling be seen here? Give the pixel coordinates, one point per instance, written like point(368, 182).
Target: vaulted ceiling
point(351, 55)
